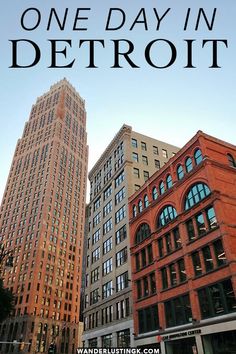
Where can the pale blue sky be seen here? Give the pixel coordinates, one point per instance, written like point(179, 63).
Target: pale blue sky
point(170, 104)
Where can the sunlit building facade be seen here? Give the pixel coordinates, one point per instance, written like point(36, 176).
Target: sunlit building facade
point(183, 252)
point(128, 161)
point(42, 222)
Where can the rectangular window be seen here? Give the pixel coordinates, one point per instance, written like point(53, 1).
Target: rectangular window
point(107, 192)
point(107, 208)
point(164, 278)
point(121, 257)
point(107, 226)
point(145, 175)
point(134, 143)
point(120, 214)
point(121, 234)
point(160, 247)
point(178, 311)
point(177, 239)
point(107, 267)
point(157, 164)
point(190, 230)
point(120, 196)
point(182, 271)
point(107, 290)
point(200, 224)
point(173, 275)
point(143, 146)
point(134, 156)
point(150, 254)
point(96, 255)
point(122, 281)
point(207, 258)
point(164, 153)
point(94, 296)
point(196, 263)
point(136, 172)
point(168, 243)
point(145, 160)
point(95, 275)
point(96, 237)
point(211, 218)
point(152, 283)
point(143, 257)
point(97, 204)
point(155, 150)
point(139, 288)
point(145, 287)
point(123, 339)
point(219, 253)
point(107, 245)
point(107, 341)
point(119, 179)
point(217, 299)
point(148, 319)
point(96, 219)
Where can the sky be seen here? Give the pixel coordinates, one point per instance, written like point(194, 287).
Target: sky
point(169, 104)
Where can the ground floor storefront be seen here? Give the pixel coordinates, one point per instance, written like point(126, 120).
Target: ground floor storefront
point(218, 338)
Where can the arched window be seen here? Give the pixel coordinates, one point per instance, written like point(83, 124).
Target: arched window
point(180, 172)
point(154, 193)
point(134, 211)
point(140, 206)
point(198, 156)
point(188, 164)
point(232, 162)
point(197, 192)
point(145, 200)
point(169, 182)
point(142, 233)
point(168, 213)
point(162, 187)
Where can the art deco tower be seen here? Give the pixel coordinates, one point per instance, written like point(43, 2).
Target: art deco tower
point(42, 222)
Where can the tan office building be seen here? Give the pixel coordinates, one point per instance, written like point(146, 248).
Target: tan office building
point(129, 160)
point(42, 222)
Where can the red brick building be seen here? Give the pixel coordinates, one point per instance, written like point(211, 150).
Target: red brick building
point(42, 222)
point(183, 250)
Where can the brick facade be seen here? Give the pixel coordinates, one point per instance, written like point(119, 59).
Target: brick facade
point(189, 268)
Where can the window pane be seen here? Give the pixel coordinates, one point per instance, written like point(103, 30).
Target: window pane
point(219, 253)
point(177, 239)
point(200, 224)
point(211, 218)
point(190, 230)
point(164, 278)
point(196, 263)
point(229, 295)
point(204, 303)
point(216, 299)
point(207, 258)
point(173, 276)
point(182, 272)
point(160, 247)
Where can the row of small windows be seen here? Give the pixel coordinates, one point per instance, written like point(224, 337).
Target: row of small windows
point(196, 193)
point(169, 182)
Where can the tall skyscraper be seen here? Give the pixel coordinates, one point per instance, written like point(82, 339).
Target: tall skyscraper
point(42, 222)
point(126, 164)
